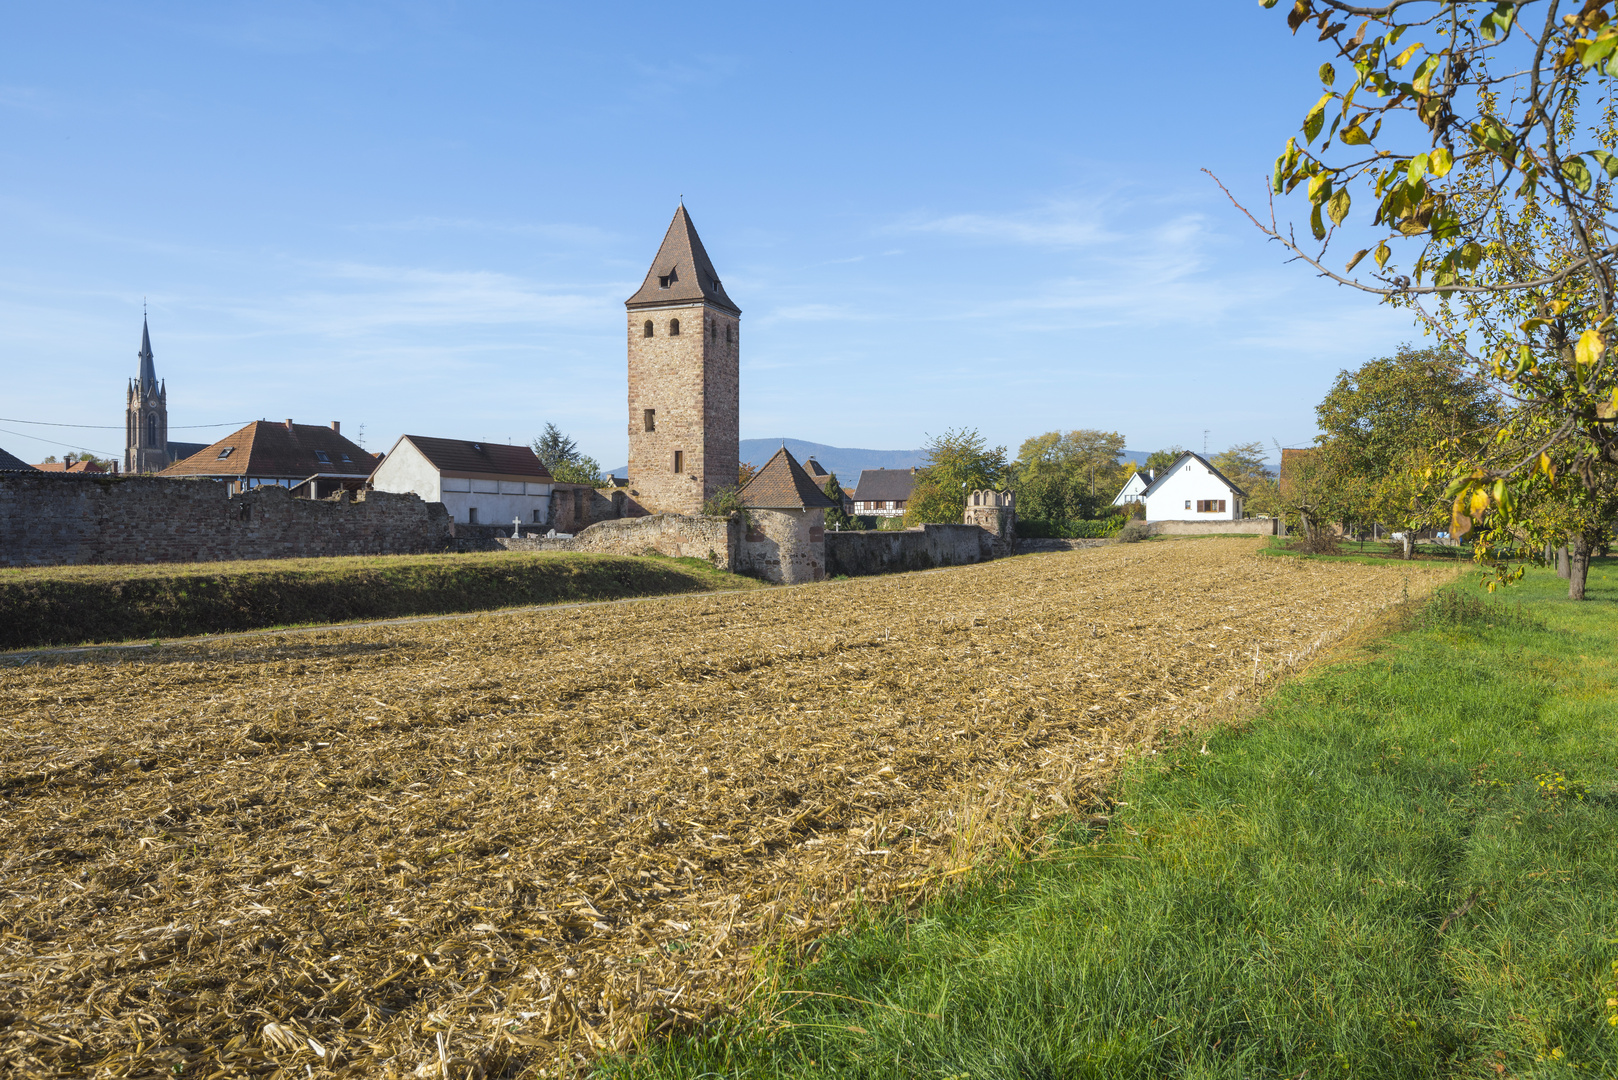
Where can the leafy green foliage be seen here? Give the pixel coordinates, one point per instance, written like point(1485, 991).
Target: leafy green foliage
point(1244, 465)
point(1492, 191)
point(1162, 459)
point(724, 502)
point(564, 461)
point(1069, 476)
point(958, 461)
point(835, 517)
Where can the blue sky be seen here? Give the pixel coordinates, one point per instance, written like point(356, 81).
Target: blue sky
point(426, 217)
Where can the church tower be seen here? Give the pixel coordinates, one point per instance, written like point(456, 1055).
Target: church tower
point(684, 341)
point(146, 415)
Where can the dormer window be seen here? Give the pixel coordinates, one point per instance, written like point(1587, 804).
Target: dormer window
point(225, 453)
point(323, 457)
point(668, 279)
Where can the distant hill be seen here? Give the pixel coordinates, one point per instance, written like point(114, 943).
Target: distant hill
point(846, 462)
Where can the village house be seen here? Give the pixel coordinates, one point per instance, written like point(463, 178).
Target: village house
point(1135, 487)
point(13, 463)
point(1189, 490)
point(79, 468)
point(312, 460)
point(479, 483)
point(884, 492)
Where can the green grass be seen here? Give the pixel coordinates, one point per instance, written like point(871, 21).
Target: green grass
point(1293, 902)
point(1371, 553)
point(76, 604)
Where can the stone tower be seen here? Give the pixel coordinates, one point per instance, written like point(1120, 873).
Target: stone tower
point(684, 340)
point(146, 415)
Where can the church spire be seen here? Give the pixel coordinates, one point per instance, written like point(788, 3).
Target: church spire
point(148, 371)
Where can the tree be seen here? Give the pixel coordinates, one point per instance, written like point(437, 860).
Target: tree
point(835, 518)
point(1388, 426)
point(1162, 459)
point(1244, 465)
point(1493, 180)
point(1068, 476)
point(744, 473)
point(956, 462)
point(563, 460)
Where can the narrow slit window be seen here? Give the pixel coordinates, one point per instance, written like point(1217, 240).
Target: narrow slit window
point(730, 334)
point(651, 419)
point(472, 515)
point(679, 461)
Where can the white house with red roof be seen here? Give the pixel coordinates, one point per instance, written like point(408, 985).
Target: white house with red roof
point(479, 483)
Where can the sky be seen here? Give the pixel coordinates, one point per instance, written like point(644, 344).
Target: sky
point(425, 217)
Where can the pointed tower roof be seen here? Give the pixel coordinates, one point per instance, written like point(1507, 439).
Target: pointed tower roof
point(783, 485)
point(148, 371)
point(681, 273)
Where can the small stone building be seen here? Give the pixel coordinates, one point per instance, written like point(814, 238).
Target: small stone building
point(785, 539)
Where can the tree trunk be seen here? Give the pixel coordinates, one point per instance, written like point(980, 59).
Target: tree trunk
point(1578, 567)
point(1409, 545)
point(1562, 568)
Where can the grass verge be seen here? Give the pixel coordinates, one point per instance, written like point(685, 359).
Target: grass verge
point(1404, 867)
point(77, 604)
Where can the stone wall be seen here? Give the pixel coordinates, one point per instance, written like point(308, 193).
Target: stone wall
point(714, 539)
point(1239, 526)
point(878, 552)
point(53, 519)
point(784, 546)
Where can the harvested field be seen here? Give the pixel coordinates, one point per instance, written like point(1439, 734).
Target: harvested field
point(514, 839)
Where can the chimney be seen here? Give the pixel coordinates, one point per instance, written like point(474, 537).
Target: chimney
point(289, 423)
point(337, 426)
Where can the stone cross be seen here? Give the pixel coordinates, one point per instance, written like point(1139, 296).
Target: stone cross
point(516, 527)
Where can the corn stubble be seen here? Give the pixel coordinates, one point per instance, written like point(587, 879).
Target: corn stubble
point(511, 842)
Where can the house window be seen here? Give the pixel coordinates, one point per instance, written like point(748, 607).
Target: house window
point(651, 419)
point(1188, 504)
point(347, 460)
point(674, 328)
point(472, 516)
point(225, 453)
point(323, 457)
point(679, 461)
point(1210, 506)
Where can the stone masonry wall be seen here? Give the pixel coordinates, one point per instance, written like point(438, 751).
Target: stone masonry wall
point(714, 539)
point(1241, 526)
point(784, 546)
point(691, 380)
point(57, 520)
point(879, 552)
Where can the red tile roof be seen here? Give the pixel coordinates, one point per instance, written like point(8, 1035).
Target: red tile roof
point(74, 467)
point(268, 450)
point(465, 457)
point(783, 485)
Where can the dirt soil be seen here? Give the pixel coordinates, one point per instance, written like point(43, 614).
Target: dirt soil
point(510, 841)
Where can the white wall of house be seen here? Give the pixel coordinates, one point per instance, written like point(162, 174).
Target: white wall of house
point(1188, 483)
point(404, 469)
point(496, 501)
point(1131, 489)
point(881, 507)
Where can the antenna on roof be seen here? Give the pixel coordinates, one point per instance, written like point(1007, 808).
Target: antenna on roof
point(1204, 442)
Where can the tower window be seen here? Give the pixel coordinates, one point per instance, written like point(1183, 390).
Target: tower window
point(729, 334)
point(668, 279)
point(151, 430)
point(646, 331)
point(651, 419)
point(679, 461)
point(674, 328)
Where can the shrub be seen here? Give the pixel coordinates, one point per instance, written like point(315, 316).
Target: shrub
point(1072, 529)
point(1134, 532)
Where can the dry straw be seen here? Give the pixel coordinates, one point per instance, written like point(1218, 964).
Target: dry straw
point(477, 847)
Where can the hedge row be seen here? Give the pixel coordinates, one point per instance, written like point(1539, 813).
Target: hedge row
point(108, 604)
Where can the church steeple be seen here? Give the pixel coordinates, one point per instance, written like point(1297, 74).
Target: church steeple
point(146, 415)
point(148, 371)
